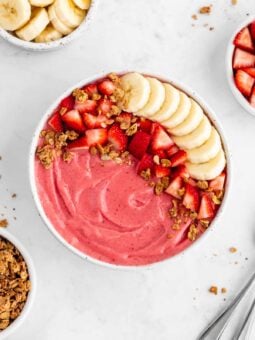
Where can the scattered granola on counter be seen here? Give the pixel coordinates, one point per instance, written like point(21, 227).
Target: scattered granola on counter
point(233, 250)
point(205, 9)
point(213, 290)
point(4, 223)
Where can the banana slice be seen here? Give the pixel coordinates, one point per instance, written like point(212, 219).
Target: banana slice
point(48, 35)
point(206, 151)
point(137, 91)
point(56, 23)
point(156, 99)
point(39, 20)
point(41, 3)
point(82, 4)
point(170, 105)
point(191, 122)
point(14, 14)
point(209, 170)
point(197, 137)
point(68, 13)
point(180, 114)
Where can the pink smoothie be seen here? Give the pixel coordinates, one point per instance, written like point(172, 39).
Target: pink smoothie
point(108, 212)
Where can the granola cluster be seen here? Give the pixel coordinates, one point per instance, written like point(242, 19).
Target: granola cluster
point(107, 153)
point(14, 283)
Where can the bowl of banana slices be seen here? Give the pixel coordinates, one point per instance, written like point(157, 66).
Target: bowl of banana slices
point(42, 25)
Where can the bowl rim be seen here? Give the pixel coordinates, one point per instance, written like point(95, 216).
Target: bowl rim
point(229, 70)
point(210, 113)
point(40, 47)
point(32, 277)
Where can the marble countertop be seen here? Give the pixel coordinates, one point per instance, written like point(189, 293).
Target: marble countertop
point(79, 300)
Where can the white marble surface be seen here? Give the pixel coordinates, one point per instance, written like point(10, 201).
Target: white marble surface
point(79, 300)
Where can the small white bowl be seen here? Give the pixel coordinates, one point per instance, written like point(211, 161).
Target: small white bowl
point(41, 211)
point(229, 70)
point(41, 47)
point(32, 277)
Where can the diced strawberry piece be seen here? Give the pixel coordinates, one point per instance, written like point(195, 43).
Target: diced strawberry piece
point(243, 40)
point(252, 98)
point(252, 30)
point(145, 163)
point(104, 106)
point(139, 144)
point(90, 89)
point(191, 197)
point(145, 125)
point(180, 171)
point(89, 106)
point(172, 150)
point(67, 103)
point(250, 71)
point(191, 181)
point(73, 120)
point(161, 139)
point(117, 138)
point(218, 182)
point(55, 122)
point(92, 121)
point(79, 144)
point(161, 171)
point(96, 136)
point(178, 158)
point(207, 207)
point(106, 87)
point(244, 82)
point(174, 187)
point(161, 153)
point(243, 59)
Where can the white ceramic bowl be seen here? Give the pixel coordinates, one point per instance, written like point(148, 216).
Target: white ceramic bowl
point(229, 70)
point(31, 295)
point(40, 126)
point(40, 47)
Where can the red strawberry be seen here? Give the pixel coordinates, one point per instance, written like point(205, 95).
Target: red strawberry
point(139, 144)
point(55, 122)
point(67, 103)
point(243, 59)
point(244, 82)
point(206, 209)
point(161, 139)
point(160, 153)
point(191, 197)
point(90, 89)
point(117, 138)
point(252, 98)
point(145, 163)
point(96, 136)
point(191, 181)
point(92, 121)
point(218, 182)
point(79, 144)
point(243, 40)
point(89, 106)
point(104, 106)
point(145, 125)
point(180, 171)
point(73, 120)
point(250, 71)
point(252, 30)
point(124, 117)
point(172, 150)
point(174, 187)
point(106, 87)
point(161, 171)
point(178, 158)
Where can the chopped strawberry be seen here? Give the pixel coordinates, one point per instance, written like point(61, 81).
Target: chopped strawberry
point(55, 122)
point(145, 163)
point(96, 136)
point(178, 158)
point(191, 181)
point(172, 150)
point(117, 138)
point(90, 89)
point(191, 197)
point(106, 87)
point(161, 171)
point(89, 106)
point(252, 98)
point(243, 40)
point(92, 121)
point(174, 187)
point(73, 120)
point(124, 117)
point(180, 171)
point(218, 182)
point(160, 138)
point(207, 207)
point(145, 125)
point(104, 106)
point(67, 103)
point(243, 59)
point(161, 153)
point(250, 71)
point(79, 144)
point(252, 30)
point(139, 144)
point(244, 82)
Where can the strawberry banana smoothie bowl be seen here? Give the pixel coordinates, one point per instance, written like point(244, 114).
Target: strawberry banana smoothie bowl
point(129, 170)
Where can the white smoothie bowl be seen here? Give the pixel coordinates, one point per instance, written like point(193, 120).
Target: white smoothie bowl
point(32, 277)
point(42, 213)
point(41, 47)
point(229, 70)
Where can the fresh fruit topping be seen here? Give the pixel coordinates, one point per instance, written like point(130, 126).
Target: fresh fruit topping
point(252, 30)
point(218, 183)
point(250, 71)
point(139, 144)
point(161, 171)
point(178, 158)
point(48, 34)
point(243, 40)
point(117, 138)
point(124, 119)
point(252, 98)
point(145, 125)
point(79, 144)
point(160, 153)
point(180, 171)
point(106, 87)
point(243, 59)
point(67, 103)
point(96, 136)
point(174, 187)
point(90, 89)
point(92, 121)
point(172, 150)
point(57, 23)
point(244, 82)
point(55, 122)
point(88, 106)
point(160, 138)
point(191, 197)
point(14, 14)
point(69, 13)
point(104, 106)
point(145, 163)
point(207, 208)
point(73, 120)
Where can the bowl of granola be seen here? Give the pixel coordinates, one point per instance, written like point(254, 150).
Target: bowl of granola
point(17, 281)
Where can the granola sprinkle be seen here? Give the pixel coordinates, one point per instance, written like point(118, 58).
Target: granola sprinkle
point(193, 232)
point(213, 290)
point(205, 9)
point(4, 223)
